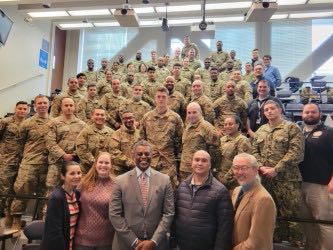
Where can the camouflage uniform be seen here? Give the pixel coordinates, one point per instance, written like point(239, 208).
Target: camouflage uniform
point(149, 91)
point(90, 142)
point(151, 63)
point(10, 155)
point(138, 108)
point(204, 73)
point(187, 73)
point(136, 64)
point(198, 136)
point(117, 74)
point(219, 58)
point(229, 148)
point(91, 76)
point(187, 48)
point(82, 90)
point(161, 74)
point(242, 89)
point(111, 103)
point(177, 103)
point(282, 148)
point(56, 103)
point(103, 87)
point(140, 77)
point(215, 89)
point(206, 106)
point(101, 74)
point(183, 86)
point(249, 77)
point(237, 64)
point(194, 64)
point(121, 144)
point(60, 140)
point(225, 106)
point(164, 132)
point(307, 95)
point(173, 61)
point(32, 172)
point(225, 76)
point(85, 107)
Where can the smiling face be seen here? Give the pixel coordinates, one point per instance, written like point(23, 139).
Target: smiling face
point(72, 176)
point(243, 171)
point(103, 165)
point(98, 117)
point(41, 105)
point(21, 110)
point(230, 126)
point(201, 163)
point(142, 157)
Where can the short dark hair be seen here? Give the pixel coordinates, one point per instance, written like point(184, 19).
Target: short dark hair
point(91, 85)
point(255, 49)
point(268, 56)
point(237, 120)
point(272, 102)
point(162, 89)
point(21, 103)
point(64, 167)
point(151, 68)
point(176, 65)
point(40, 96)
point(214, 68)
point(80, 74)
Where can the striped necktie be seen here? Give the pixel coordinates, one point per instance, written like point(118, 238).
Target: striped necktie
point(143, 181)
point(239, 198)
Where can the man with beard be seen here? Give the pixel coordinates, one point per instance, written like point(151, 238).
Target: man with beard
point(176, 101)
point(122, 65)
point(122, 142)
point(219, 57)
point(317, 179)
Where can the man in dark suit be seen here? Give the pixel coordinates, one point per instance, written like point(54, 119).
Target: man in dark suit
point(142, 205)
point(254, 221)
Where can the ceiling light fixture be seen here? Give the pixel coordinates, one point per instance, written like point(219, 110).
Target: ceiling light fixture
point(106, 24)
point(48, 14)
point(223, 6)
point(180, 8)
point(311, 14)
point(75, 25)
point(99, 12)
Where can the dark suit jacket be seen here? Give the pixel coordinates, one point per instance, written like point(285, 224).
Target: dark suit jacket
point(127, 213)
point(254, 221)
point(56, 231)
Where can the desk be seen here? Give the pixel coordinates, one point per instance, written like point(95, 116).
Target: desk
point(7, 234)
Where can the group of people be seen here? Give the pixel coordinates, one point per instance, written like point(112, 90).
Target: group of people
point(210, 130)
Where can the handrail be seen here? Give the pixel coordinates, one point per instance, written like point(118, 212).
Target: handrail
point(14, 84)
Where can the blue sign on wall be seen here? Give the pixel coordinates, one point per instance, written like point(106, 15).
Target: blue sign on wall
point(43, 58)
point(45, 45)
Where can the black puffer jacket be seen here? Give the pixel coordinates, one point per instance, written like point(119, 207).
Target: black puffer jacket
point(203, 220)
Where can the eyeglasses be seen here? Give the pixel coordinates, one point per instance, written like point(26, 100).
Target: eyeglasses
point(240, 168)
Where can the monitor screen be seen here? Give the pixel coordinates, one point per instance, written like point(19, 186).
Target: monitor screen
point(5, 26)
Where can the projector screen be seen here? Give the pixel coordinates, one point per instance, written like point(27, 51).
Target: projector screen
point(5, 26)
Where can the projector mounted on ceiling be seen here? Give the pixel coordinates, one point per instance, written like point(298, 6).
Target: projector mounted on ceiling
point(126, 16)
point(261, 11)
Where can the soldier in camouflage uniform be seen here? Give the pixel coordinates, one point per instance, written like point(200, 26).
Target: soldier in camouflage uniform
point(136, 62)
point(329, 89)
point(226, 74)
point(161, 71)
point(122, 142)
point(176, 58)
point(194, 63)
point(237, 62)
point(60, 141)
point(163, 128)
point(248, 75)
point(117, 73)
point(93, 139)
point(187, 46)
point(198, 135)
point(136, 105)
point(150, 86)
point(81, 80)
point(104, 85)
point(182, 85)
point(122, 65)
point(205, 72)
point(279, 148)
point(141, 76)
point(219, 57)
point(86, 105)
point(101, 73)
point(243, 89)
point(153, 62)
point(214, 86)
point(90, 73)
point(229, 104)
point(33, 167)
point(186, 71)
point(232, 144)
point(111, 102)
point(10, 156)
point(204, 101)
point(71, 92)
point(176, 101)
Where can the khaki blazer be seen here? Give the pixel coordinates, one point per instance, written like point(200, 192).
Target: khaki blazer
point(129, 217)
point(254, 221)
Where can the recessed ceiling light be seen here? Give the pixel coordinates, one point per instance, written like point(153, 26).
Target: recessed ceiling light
point(75, 25)
point(225, 19)
point(48, 14)
point(311, 14)
point(291, 2)
point(144, 10)
point(279, 16)
point(100, 12)
point(179, 8)
point(221, 6)
point(106, 24)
